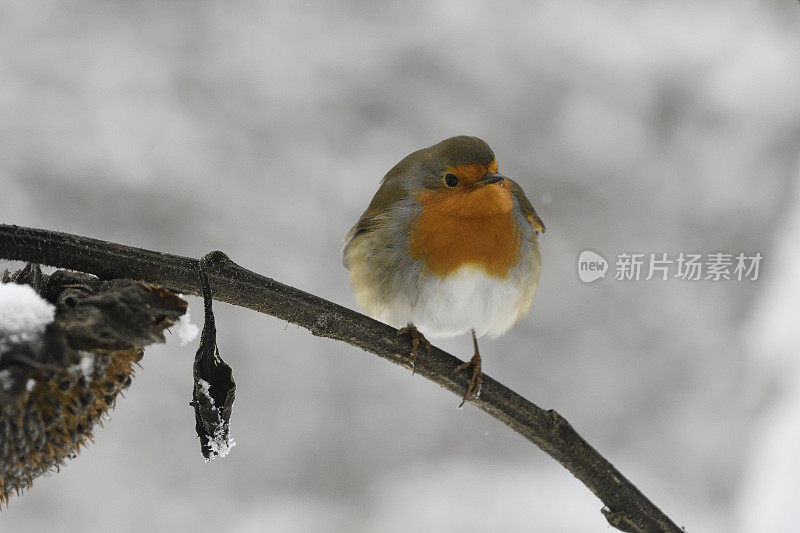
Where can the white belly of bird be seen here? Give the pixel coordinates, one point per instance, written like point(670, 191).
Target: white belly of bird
point(444, 307)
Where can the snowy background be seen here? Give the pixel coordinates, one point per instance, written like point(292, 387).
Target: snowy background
point(262, 129)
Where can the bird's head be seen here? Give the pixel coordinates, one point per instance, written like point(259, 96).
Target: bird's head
point(459, 178)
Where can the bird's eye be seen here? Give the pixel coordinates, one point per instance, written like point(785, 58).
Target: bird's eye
point(451, 180)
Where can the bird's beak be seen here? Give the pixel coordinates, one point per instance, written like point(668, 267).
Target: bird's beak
point(489, 178)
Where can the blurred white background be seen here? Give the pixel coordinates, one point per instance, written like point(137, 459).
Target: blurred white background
point(263, 128)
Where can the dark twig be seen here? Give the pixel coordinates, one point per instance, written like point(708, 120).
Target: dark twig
point(626, 508)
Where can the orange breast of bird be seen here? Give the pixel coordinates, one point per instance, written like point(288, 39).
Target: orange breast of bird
point(462, 226)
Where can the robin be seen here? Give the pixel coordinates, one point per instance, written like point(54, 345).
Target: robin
point(446, 246)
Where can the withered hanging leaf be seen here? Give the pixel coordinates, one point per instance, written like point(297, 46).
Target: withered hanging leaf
point(61, 383)
point(214, 387)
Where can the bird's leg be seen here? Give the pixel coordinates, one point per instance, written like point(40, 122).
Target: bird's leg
point(474, 387)
point(416, 338)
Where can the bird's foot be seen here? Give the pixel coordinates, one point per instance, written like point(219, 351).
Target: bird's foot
point(474, 386)
point(416, 338)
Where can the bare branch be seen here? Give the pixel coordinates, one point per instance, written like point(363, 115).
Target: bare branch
point(626, 508)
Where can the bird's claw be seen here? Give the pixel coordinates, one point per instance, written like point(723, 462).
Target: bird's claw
point(416, 338)
point(474, 386)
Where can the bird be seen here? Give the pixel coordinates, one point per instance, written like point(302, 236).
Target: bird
point(447, 245)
